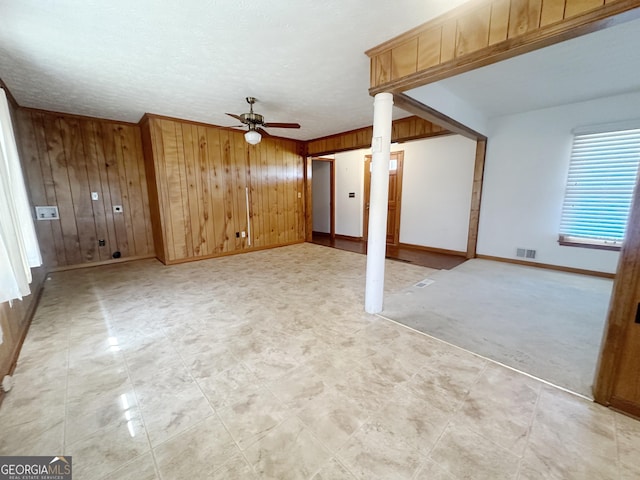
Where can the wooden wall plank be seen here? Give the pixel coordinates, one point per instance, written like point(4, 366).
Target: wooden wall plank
point(105, 153)
point(136, 190)
point(153, 181)
point(216, 170)
point(410, 128)
point(60, 175)
point(79, 184)
point(473, 36)
point(239, 185)
point(403, 59)
point(429, 48)
point(524, 17)
point(449, 35)
point(35, 179)
point(118, 183)
point(192, 190)
point(218, 167)
point(208, 231)
point(552, 12)
point(143, 196)
point(499, 25)
point(89, 142)
point(473, 31)
point(68, 157)
point(577, 7)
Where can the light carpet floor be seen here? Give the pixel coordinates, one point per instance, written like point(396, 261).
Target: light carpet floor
point(546, 323)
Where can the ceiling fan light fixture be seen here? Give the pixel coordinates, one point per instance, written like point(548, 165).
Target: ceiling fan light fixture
point(252, 137)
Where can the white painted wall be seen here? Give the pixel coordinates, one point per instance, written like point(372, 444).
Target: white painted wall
point(349, 169)
point(321, 192)
point(444, 101)
point(436, 192)
point(436, 197)
point(524, 181)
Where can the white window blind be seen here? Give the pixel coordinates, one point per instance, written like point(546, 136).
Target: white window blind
point(600, 185)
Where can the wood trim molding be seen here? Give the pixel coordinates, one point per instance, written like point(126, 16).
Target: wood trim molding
point(421, 110)
point(308, 199)
point(476, 198)
point(148, 116)
point(402, 130)
point(99, 264)
point(618, 364)
point(547, 266)
point(232, 252)
point(424, 248)
point(349, 237)
point(483, 32)
point(332, 193)
point(78, 117)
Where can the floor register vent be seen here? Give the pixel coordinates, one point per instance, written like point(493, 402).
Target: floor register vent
point(525, 253)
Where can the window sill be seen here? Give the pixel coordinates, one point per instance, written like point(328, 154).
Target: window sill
point(584, 243)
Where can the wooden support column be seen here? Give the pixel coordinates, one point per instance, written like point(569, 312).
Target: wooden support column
point(476, 197)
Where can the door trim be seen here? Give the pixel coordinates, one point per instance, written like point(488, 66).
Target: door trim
point(399, 156)
point(332, 193)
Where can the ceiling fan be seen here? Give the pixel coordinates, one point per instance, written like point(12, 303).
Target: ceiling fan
point(257, 125)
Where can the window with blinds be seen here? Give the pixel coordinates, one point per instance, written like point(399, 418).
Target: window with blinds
point(600, 185)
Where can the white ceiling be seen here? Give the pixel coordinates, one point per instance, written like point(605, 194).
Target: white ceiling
point(600, 64)
point(196, 59)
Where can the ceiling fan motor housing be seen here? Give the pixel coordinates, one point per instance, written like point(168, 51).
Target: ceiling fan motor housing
point(252, 118)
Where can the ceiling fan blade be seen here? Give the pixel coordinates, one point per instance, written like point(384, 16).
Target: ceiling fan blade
point(237, 117)
point(262, 132)
point(282, 125)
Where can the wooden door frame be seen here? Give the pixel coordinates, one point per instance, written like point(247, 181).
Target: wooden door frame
point(367, 193)
point(332, 194)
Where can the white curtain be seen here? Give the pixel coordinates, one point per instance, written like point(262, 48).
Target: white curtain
point(18, 243)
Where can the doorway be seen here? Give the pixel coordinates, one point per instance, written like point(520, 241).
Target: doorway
point(323, 188)
point(396, 161)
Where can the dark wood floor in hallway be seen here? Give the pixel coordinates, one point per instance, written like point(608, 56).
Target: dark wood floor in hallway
point(441, 261)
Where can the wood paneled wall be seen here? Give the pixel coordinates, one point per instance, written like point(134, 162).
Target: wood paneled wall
point(15, 320)
point(198, 175)
point(482, 32)
point(65, 158)
point(410, 128)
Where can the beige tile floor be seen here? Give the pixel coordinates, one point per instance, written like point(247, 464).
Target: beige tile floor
point(264, 366)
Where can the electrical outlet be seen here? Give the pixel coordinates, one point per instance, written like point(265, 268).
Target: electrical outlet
point(47, 213)
point(237, 234)
point(94, 195)
point(101, 243)
point(243, 234)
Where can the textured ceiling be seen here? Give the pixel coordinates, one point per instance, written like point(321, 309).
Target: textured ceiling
point(600, 64)
point(195, 59)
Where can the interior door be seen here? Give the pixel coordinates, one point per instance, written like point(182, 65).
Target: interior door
point(395, 196)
